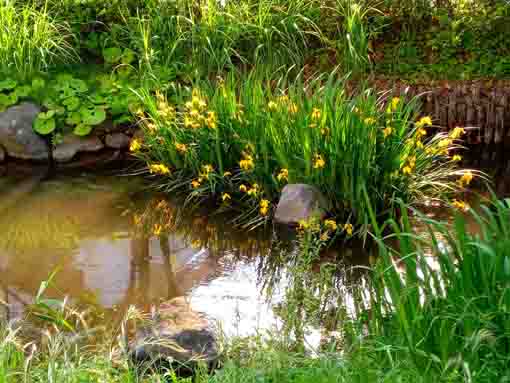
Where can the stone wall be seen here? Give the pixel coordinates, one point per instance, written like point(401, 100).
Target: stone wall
point(484, 105)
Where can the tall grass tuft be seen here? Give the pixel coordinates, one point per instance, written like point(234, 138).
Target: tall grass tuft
point(249, 138)
point(442, 302)
point(30, 40)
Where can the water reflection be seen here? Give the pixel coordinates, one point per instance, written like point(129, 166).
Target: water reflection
point(99, 233)
point(83, 227)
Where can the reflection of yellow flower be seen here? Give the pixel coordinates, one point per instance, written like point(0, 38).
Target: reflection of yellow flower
point(157, 229)
point(348, 228)
point(466, 178)
point(137, 219)
point(243, 188)
point(264, 207)
point(424, 121)
point(461, 205)
point(196, 244)
point(456, 158)
point(387, 131)
point(283, 175)
point(135, 145)
point(159, 169)
point(330, 224)
point(457, 133)
point(318, 162)
point(226, 197)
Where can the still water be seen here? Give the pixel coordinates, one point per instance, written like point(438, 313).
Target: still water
point(82, 227)
point(94, 232)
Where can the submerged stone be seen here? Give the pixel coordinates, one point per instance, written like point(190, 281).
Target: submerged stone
point(2, 154)
point(300, 202)
point(178, 337)
point(72, 145)
point(117, 140)
point(17, 136)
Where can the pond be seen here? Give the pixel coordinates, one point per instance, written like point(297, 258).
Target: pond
point(84, 228)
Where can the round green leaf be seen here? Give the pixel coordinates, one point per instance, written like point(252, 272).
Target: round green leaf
point(82, 130)
point(46, 115)
point(42, 126)
point(23, 91)
point(73, 118)
point(93, 116)
point(78, 85)
point(8, 84)
point(72, 103)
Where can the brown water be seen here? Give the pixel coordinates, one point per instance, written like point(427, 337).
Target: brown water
point(84, 228)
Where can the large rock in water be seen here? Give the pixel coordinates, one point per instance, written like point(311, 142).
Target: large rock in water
point(178, 337)
point(300, 202)
point(72, 144)
point(17, 136)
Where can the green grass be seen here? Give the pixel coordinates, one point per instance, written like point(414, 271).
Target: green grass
point(453, 319)
point(31, 40)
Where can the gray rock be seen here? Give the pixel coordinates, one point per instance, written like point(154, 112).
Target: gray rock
point(17, 136)
point(300, 201)
point(117, 141)
point(2, 154)
point(72, 144)
point(178, 336)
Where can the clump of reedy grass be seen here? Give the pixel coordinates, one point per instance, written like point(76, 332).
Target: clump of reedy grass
point(31, 41)
point(244, 139)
